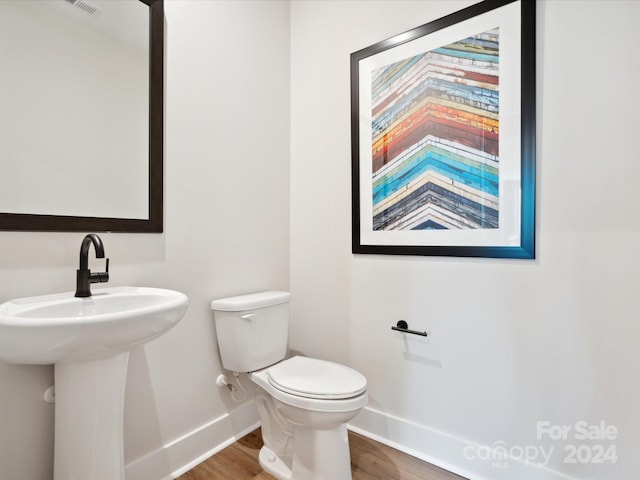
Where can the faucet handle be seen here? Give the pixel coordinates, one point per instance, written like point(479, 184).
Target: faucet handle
point(100, 277)
point(104, 276)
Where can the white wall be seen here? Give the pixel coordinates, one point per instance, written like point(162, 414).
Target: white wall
point(226, 232)
point(512, 342)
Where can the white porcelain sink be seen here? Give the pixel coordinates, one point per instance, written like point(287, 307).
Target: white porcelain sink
point(60, 327)
point(88, 340)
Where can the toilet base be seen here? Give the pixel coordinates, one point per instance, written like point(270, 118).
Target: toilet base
point(318, 455)
point(321, 454)
point(273, 465)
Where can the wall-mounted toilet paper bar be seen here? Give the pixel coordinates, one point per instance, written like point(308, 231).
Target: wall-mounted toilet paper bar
point(403, 326)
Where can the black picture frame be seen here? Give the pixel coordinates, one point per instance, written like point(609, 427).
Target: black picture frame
point(516, 37)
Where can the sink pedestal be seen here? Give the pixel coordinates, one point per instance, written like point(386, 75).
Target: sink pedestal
point(89, 412)
point(87, 339)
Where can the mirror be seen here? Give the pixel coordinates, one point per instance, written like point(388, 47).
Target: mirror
point(81, 115)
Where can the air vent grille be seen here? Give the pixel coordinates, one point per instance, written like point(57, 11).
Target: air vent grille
point(86, 7)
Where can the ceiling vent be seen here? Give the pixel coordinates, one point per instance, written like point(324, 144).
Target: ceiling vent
point(86, 7)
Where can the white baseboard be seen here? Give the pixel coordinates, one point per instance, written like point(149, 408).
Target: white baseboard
point(431, 445)
point(452, 453)
point(182, 454)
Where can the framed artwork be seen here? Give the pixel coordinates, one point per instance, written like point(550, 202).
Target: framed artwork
point(443, 137)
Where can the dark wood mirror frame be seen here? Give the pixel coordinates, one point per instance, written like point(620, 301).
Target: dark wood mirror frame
point(154, 223)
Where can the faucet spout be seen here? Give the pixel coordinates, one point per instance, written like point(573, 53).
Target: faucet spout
point(84, 249)
point(84, 277)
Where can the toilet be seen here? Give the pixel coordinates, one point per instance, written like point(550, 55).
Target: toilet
point(304, 403)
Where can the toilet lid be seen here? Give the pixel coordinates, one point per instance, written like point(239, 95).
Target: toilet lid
point(313, 378)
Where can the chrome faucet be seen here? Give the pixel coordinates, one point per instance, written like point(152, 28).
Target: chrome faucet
point(84, 277)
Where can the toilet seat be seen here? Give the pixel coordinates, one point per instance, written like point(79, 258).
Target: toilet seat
point(318, 379)
point(356, 401)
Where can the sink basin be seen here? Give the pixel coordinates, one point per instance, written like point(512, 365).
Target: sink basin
point(53, 328)
point(88, 341)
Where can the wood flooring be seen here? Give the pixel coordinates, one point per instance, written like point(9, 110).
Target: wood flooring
point(370, 460)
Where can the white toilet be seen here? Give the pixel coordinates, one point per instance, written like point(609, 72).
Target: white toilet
point(304, 403)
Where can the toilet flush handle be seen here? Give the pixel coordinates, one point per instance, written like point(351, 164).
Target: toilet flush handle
point(248, 316)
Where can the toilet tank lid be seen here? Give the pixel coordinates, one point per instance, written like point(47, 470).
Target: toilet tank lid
point(250, 301)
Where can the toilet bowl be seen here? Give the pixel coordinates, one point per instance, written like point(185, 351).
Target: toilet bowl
point(304, 403)
point(309, 400)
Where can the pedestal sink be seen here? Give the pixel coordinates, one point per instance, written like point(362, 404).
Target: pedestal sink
point(88, 340)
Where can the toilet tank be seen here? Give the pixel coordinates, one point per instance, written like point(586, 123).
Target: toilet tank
point(252, 330)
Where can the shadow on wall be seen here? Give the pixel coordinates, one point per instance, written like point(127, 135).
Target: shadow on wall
point(415, 356)
point(144, 429)
point(24, 413)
